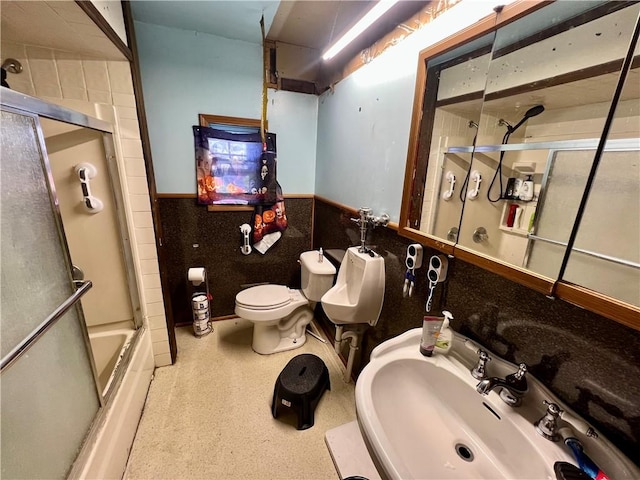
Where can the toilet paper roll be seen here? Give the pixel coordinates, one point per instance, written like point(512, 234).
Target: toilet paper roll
point(197, 275)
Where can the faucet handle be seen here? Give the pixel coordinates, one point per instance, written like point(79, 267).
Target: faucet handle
point(522, 369)
point(552, 408)
point(479, 372)
point(547, 426)
point(518, 379)
point(382, 220)
point(578, 424)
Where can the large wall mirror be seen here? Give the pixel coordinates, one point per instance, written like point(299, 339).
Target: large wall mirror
point(606, 255)
point(513, 114)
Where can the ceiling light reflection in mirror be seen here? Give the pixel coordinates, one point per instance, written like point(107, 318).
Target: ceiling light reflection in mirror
point(402, 63)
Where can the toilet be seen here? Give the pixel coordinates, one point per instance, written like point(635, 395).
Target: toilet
point(279, 314)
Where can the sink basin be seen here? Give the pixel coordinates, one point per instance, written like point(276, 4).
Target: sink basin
point(421, 417)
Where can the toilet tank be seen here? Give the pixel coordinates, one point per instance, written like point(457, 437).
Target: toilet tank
point(318, 274)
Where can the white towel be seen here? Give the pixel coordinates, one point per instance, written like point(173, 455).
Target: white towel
point(267, 242)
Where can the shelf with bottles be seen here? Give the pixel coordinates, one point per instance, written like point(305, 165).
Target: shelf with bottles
point(517, 216)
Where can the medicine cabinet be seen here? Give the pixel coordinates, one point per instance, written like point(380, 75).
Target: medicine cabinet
point(510, 118)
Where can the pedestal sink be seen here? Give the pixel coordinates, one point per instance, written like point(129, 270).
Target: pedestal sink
point(421, 418)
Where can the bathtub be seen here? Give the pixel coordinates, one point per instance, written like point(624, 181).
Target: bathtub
point(106, 449)
point(108, 349)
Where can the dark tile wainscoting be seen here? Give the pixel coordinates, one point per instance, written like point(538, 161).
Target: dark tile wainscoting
point(195, 237)
point(590, 362)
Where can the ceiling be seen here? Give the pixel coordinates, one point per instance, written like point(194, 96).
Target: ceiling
point(56, 25)
point(291, 24)
point(306, 23)
point(239, 20)
point(314, 24)
point(63, 25)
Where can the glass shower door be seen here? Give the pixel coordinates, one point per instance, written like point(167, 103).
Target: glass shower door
point(49, 397)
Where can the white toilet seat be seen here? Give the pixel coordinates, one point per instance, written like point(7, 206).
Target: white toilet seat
point(268, 302)
point(264, 297)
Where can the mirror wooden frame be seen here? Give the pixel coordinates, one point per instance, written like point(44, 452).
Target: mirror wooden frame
point(604, 305)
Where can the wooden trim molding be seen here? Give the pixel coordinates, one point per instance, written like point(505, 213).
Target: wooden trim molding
point(177, 195)
point(429, 241)
point(194, 196)
point(230, 208)
point(584, 73)
point(459, 99)
point(206, 119)
point(523, 277)
point(94, 14)
point(350, 210)
point(599, 303)
point(341, 206)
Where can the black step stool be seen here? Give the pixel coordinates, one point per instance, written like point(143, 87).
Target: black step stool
point(299, 388)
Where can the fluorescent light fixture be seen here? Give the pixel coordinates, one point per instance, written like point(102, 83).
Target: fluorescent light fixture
point(372, 15)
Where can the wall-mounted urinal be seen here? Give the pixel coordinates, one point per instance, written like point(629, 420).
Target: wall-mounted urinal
point(355, 301)
point(359, 290)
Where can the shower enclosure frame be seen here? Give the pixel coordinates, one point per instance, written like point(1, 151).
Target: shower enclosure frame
point(21, 104)
point(30, 105)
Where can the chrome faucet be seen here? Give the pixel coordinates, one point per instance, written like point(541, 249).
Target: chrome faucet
point(513, 386)
point(479, 372)
point(547, 426)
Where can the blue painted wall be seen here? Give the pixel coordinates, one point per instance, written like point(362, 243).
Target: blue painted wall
point(185, 73)
point(361, 128)
point(363, 125)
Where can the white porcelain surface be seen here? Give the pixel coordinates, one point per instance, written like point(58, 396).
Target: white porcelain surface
point(267, 303)
point(317, 275)
point(358, 293)
point(413, 411)
point(106, 451)
point(264, 296)
point(280, 315)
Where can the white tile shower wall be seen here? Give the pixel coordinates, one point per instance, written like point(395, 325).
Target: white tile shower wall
point(457, 134)
point(61, 77)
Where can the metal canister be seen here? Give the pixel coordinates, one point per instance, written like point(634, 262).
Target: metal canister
point(201, 316)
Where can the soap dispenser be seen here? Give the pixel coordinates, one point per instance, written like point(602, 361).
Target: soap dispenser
point(445, 337)
point(526, 191)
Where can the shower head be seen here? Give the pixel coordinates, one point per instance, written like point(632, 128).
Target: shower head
point(532, 112)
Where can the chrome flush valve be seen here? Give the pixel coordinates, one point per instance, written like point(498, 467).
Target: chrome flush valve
point(366, 219)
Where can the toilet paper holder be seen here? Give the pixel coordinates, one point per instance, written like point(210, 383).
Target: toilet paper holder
point(200, 301)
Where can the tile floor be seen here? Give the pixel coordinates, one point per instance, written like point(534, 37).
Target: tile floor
point(209, 415)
